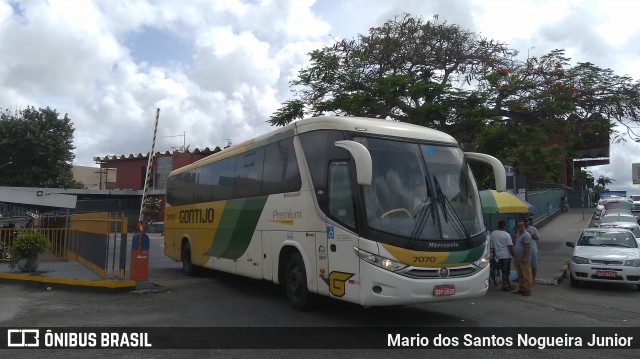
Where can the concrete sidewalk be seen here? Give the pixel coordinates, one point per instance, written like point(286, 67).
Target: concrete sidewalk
point(72, 274)
point(553, 254)
point(64, 274)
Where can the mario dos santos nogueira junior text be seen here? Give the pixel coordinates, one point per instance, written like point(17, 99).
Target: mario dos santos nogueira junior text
point(519, 341)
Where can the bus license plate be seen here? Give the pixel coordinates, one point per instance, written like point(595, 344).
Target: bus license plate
point(443, 290)
point(606, 273)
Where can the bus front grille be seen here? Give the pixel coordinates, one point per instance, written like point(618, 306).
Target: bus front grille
point(435, 273)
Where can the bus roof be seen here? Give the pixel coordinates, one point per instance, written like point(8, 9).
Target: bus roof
point(343, 123)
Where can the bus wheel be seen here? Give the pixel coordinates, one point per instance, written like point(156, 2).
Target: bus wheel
point(187, 267)
point(296, 283)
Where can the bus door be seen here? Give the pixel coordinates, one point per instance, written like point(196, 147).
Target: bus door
point(343, 274)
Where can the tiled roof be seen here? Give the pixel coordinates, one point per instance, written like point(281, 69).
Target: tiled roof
point(203, 152)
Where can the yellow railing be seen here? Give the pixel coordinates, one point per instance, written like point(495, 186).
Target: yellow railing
point(63, 242)
point(96, 240)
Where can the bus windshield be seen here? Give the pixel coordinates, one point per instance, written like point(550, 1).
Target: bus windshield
point(421, 191)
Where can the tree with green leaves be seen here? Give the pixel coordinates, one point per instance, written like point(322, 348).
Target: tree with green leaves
point(601, 185)
point(546, 108)
point(604, 181)
point(408, 69)
point(152, 208)
point(36, 147)
point(531, 114)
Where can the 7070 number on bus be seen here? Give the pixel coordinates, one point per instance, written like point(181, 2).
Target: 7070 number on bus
point(424, 259)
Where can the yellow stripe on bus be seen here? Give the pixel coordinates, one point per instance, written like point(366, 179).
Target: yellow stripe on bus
point(282, 221)
point(418, 258)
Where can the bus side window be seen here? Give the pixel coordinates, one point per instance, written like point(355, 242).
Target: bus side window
point(320, 149)
point(341, 205)
point(280, 173)
point(248, 181)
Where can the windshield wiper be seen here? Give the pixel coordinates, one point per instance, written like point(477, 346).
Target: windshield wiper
point(422, 218)
point(440, 197)
point(456, 222)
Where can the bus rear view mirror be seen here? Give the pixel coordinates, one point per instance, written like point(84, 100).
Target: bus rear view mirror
point(498, 168)
point(362, 158)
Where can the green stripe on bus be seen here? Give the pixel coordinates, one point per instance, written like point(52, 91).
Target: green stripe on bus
point(468, 256)
point(237, 225)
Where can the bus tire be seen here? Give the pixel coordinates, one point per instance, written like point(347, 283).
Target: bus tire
point(187, 266)
point(296, 283)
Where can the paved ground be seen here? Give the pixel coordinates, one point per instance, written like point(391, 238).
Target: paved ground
point(552, 258)
point(553, 253)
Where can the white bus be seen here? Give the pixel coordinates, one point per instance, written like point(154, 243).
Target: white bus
point(370, 211)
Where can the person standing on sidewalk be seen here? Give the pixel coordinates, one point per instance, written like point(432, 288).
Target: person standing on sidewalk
point(521, 256)
point(535, 235)
point(503, 249)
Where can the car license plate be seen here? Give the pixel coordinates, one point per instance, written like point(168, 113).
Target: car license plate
point(606, 273)
point(443, 290)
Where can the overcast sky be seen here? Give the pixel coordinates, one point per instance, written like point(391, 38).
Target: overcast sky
point(217, 69)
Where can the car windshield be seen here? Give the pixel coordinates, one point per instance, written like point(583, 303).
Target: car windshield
point(608, 239)
point(421, 191)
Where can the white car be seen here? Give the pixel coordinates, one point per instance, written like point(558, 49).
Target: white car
point(633, 227)
point(598, 212)
point(636, 202)
point(617, 217)
point(605, 255)
point(606, 212)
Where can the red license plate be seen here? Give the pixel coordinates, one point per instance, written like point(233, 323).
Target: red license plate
point(606, 273)
point(443, 290)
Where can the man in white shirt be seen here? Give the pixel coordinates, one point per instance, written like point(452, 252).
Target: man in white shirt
point(503, 251)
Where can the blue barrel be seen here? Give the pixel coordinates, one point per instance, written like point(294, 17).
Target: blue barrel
point(549, 207)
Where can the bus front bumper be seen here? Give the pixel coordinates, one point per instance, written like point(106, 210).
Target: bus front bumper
point(380, 287)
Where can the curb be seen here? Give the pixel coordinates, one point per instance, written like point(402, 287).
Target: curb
point(563, 272)
point(558, 276)
point(112, 286)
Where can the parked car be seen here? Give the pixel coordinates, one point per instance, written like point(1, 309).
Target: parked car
point(605, 255)
point(636, 201)
point(617, 217)
point(620, 202)
point(598, 211)
point(615, 211)
point(633, 227)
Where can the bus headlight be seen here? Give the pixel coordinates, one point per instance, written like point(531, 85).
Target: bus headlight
point(482, 262)
point(379, 261)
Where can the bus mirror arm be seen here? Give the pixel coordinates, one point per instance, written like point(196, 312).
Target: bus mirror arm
point(362, 157)
point(498, 168)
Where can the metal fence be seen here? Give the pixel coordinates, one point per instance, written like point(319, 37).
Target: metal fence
point(63, 242)
point(96, 240)
point(103, 242)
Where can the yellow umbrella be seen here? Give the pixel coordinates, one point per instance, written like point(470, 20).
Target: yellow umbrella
point(502, 202)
